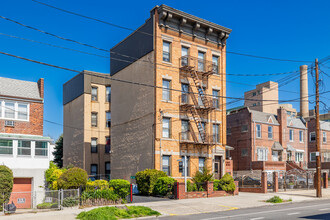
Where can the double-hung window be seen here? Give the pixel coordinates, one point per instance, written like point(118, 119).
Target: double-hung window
point(94, 145)
point(6, 146)
point(108, 119)
point(94, 93)
point(258, 128)
point(301, 136)
point(166, 127)
point(166, 51)
point(94, 119)
point(201, 164)
point(262, 154)
point(324, 137)
point(312, 136)
point(94, 168)
point(22, 111)
point(10, 110)
point(24, 147)
point(215, 96)
point(184, 93)
point(107, 145)
point(14, 110)
point(166, 164)
point(299, 156)
point(216, 133)
point(201, 61)
point(41, 148)
point(312, 157)
point(107, 169)
point(291, 135)
point(185, 130)
point(108, 94)
point(215, 61)
point(184, 56)
point(182, 166)
point(166, 90)
point(270, 132)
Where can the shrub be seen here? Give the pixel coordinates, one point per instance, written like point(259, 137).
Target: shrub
point(70, 202)
point(97, 184)
point(107, 194)
point(226, 183)
point(47, 205)
point(121, 187)
point(162, 186)
point(275, 199)
point(52, 174)
point(72, 179)
point(146, 180)
point(202, 177)
point(6, 184)
point(191, 187)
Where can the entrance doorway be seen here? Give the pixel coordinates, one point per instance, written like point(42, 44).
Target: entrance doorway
point(217, 167)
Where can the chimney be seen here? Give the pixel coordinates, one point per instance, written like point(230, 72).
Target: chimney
point(41, 87)
point(304, 107)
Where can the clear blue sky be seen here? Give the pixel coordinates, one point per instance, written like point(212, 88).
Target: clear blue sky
point(292, 29)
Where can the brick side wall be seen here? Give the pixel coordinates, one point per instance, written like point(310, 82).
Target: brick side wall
point(33, 127)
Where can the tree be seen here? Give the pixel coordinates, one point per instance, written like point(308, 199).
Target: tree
point(58, 152)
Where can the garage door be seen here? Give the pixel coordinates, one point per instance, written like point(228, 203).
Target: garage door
point(21, 194)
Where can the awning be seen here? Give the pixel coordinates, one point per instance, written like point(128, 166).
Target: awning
point(298, 150)
point(277, 146)
point(229, 147)
point(290, 148)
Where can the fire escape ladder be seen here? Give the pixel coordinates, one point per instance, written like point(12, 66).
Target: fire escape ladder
point(199, 124)
point(201, 92)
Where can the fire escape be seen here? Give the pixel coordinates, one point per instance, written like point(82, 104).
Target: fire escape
point(194, 102)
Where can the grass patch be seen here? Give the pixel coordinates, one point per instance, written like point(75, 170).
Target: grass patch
point(277, 199)
point(113, 213)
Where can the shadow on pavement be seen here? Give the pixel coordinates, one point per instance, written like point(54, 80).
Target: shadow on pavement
point(142, 199)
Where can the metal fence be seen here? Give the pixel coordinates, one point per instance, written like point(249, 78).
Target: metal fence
point(20, 202)
point(248, 179)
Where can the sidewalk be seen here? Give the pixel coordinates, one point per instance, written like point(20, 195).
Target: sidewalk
point(190, 206)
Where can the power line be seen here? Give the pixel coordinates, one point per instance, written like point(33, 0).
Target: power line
point(130, 29)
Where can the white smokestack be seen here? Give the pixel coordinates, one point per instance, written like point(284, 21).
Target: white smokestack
point(304, 107)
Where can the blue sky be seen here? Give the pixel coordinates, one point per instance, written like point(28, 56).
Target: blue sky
point(298, 30)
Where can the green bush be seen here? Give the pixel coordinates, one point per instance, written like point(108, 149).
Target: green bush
point(162, 186)
point(6, 184)
point(275, 199)
point(121, 187)
point(113, 213)
point(107, 194)
point(146, 180)
point(52, 174)
point(226, 183)
point(72, 179)
point(70, 202)
point(202, 177)
point(47, 205)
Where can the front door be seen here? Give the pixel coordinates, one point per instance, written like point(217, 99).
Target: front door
point(217, 167)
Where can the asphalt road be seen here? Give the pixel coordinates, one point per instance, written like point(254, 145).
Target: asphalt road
point(302, 210)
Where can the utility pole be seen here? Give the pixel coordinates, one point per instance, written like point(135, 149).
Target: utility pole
point(318, 144)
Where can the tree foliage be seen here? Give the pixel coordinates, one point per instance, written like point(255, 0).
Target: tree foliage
point(72, 179)
point(6, 184)
point(146, 180)
point(58, 152)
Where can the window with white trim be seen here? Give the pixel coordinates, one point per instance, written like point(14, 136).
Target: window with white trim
point(41, 148)
point(312, 136)
point(166, 90)
point(291, 135)
point(166, 164)
point(215, 64)
point(94, 145)
point(24, 147)
point(6, 146)
point(166, 127)
point(182, 165)
point(312, 156)
point(201, 163)
point(94, 93)
point(262, 154)
point(324, 137)
point(299, 156)
point(12, 110)
point(301, 136)
point(270, 132)
point(166, 51)
point(258, 128)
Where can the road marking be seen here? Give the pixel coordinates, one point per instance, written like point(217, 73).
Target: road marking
point(293, 213)
point(324, 209)
point(229, 207)
point(253, 213)
point(257, 218)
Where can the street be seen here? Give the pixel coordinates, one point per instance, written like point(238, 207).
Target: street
point(302, 210)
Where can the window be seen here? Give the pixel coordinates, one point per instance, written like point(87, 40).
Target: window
point(291, 134)
point(254, 104)
point(258, 128)
point(201, 164)
point(301, 136)
point(166, 51)
point(324, 137)
point(216, 134)
point(166, 164)
point(94, 169)
point(10, 110)
point(6, 146)
point(166, 90)
point(107, 169)
point(244, 152)
point(108, 94)
point(181, 166)
point(289, 156)
point(299, 156)
point(184, 56)
point(94, 145)
point(94, 119)
point(185, 130)
point(24, 147)
point(312, 157)
point(94, 93)
point(201, 136)
point(228, 131)
point(244, 128)
point(312, 136)
point(326, 156)
point(108, 119)
point(215, 61)
point(215, 95)
point(184, 93)
point(254, 94)
point(41, 148)
point(22, 112)
point(107, 145)
point(166, 127)
point(270, 132)
point(262, 154)
point(201, 61)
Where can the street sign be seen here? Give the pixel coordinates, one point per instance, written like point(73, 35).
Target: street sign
point(133, 177)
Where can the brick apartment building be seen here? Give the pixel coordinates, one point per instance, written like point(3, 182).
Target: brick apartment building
point(87, 121)
point(184, 58)
point(23, 148)
point(266, 141)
